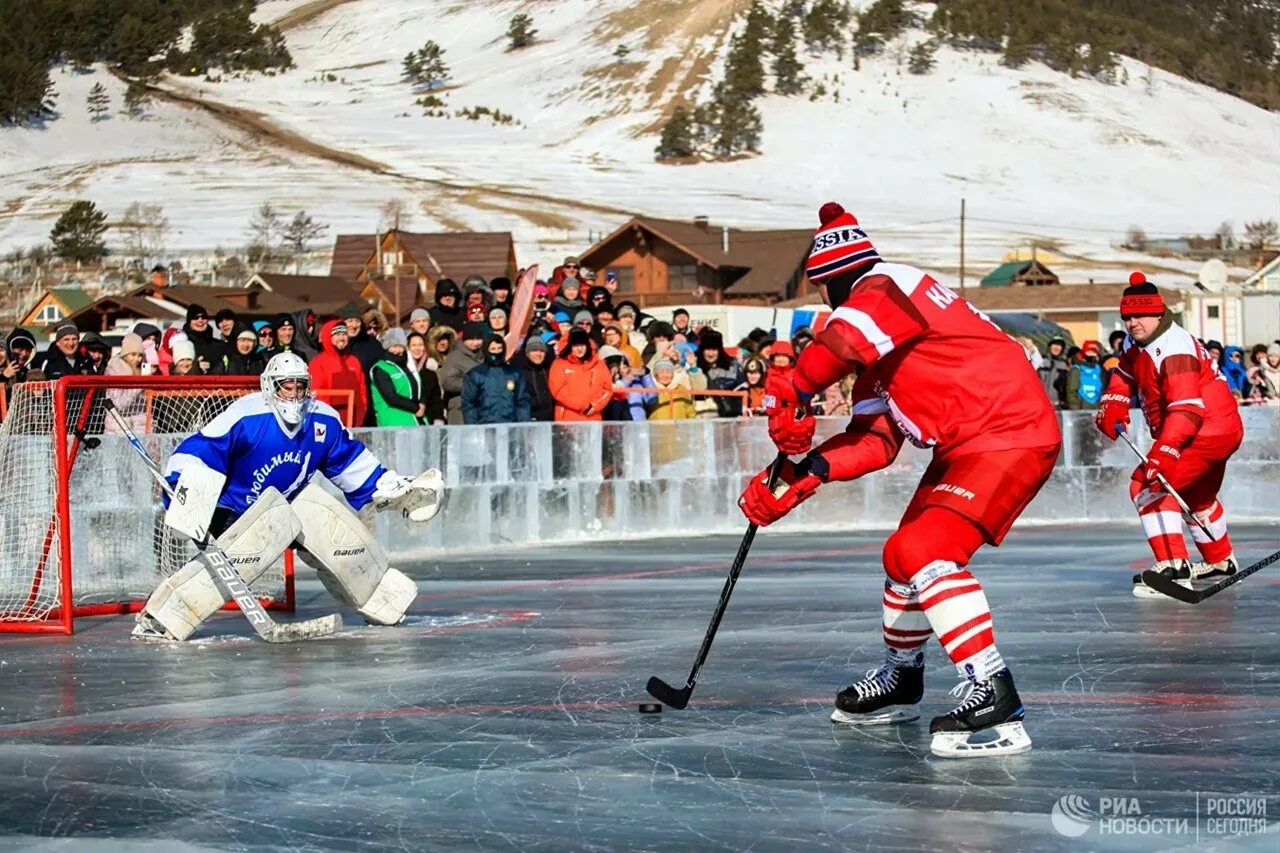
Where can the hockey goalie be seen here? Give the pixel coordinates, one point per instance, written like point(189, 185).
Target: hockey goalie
point(248, 479)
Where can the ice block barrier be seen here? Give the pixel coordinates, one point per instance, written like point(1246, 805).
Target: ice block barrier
point(522, 484)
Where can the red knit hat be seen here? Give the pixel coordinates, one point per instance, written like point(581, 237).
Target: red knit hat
point(1141, 298)
point(839, 245)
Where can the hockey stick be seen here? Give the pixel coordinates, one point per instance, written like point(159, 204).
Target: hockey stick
point(1173, 589)
point(1186, 510)
point(224, 574)
point(679, 699)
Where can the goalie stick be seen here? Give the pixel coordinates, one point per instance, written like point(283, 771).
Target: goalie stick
point(224, 574)
point(679, 699)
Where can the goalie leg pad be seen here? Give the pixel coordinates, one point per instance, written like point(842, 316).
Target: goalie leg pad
point(189, 596)
point(349, 561)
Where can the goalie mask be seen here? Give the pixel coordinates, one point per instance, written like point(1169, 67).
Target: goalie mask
point(286, 386)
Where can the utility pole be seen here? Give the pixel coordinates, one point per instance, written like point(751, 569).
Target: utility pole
point(399, 254)
point(962, 244)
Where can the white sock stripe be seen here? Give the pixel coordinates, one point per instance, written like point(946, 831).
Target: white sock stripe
point(1163, 523)
point(957, 611)
point(943, 586)
point(976, 629)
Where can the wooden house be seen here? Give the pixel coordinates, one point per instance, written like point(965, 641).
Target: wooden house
point(666, 262)
point(54, 306)
point(399, 269)
point(1030, 273)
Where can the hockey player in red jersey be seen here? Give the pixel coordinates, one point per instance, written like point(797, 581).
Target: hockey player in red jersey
point(1195, 425)
point(934, 371)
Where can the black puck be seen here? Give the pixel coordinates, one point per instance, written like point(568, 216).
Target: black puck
point(650, 707)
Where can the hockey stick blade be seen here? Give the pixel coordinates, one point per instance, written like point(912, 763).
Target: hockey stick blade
point(1163, 585)
point(668, 695)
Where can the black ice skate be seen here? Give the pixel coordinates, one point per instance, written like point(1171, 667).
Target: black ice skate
point(1176, 570)
point(990, 704)
point(887, 695)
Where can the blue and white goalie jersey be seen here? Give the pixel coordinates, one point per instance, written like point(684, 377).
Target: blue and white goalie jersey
point(248, 444)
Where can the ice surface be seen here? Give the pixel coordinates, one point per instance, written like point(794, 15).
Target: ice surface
point(504, 716)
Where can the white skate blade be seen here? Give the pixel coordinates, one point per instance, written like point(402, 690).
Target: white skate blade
point(145, 631)
point(885, 717)
point(1141, 590)
point(1010, 739)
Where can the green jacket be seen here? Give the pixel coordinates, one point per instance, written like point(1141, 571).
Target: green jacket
point(393, 393)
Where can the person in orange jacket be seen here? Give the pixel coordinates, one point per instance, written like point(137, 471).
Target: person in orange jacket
point(337, 368)
point(580, 382)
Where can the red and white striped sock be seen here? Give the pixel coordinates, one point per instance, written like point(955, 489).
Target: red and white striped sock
point(906, 628)
point(1162, 523)
point(953, 602)
point(1218, 548)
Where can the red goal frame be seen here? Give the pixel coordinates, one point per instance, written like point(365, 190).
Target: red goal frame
point(68, 440)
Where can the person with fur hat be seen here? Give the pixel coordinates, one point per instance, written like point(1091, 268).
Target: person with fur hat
point(336, 368)
point(721, 371)
point(1195, 426)
point(440, 341)
point(932, 370)
point(502, 293)
point(1085, 381)
point(579, 381)
point(460, 361)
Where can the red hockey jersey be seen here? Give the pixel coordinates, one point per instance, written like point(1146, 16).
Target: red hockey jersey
point(949, 377)
point(1174, 373)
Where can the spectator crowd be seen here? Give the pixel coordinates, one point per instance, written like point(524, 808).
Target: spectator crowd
point(585, 357)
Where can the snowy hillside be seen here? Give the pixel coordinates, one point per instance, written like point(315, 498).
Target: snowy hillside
point(1034, 152)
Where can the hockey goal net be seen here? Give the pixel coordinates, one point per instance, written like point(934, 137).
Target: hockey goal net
point(81, 518)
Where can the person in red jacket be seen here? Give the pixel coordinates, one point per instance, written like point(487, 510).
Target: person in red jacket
point(1195, 425)
point(337, 368)
point(579, 381)
point(934, 371)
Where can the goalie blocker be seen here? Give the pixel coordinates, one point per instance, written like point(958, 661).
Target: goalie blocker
point(271, 445)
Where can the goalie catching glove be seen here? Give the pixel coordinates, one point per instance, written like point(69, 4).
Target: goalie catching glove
point(796, 484)
point(418, 498)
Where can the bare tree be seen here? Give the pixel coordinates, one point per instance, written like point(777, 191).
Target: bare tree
point(265, 230)
point(145, 228)
point(1137, 238)
point(395, 214)
point(1261, 234)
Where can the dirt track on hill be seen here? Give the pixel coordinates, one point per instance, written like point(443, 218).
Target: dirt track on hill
point(306, 13)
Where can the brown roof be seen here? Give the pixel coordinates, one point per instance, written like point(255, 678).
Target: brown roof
point(1062, 297)
point(256, 302)
point(310, 288)
point(771, 258)
point(441, 255)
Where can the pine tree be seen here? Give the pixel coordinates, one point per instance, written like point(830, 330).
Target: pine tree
point(677, 139)
point(825, 25)
point(921, 59)
point(520, 31)
point(426, 66)
point(743, 71)
point(136, 97)
point(1017, 50)
point(98, 101)
point(26, 92)
point(759, 25)
point(300, 231)
point(739, 126)
point(77, 235)
point(787, 70)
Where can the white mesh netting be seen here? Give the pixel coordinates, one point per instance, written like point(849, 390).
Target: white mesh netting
point(120, 548)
